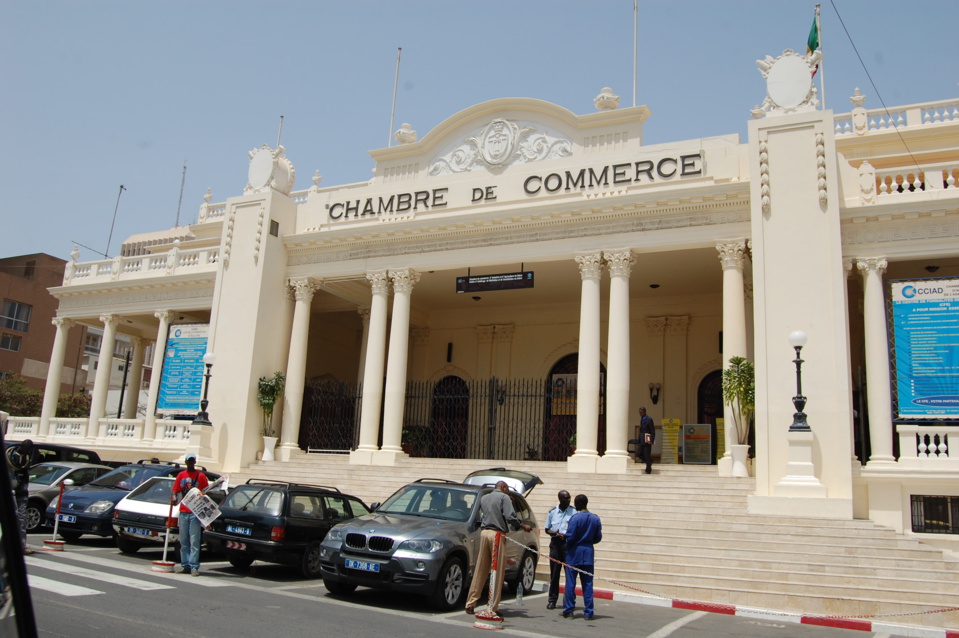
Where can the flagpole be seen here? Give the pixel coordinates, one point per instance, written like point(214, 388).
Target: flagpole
point(396, 80)
point(635, 45)
point(822, 67)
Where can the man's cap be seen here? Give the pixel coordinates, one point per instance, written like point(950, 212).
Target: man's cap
point(190, 455)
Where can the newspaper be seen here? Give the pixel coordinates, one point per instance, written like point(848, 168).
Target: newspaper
point(202, 506)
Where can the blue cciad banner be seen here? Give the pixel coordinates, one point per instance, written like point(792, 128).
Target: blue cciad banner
point(182, 380)
point(926, 337)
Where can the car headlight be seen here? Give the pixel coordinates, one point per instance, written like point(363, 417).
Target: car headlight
point(53, 503)
point(335, 535)
point(427, 546)
point(100, 507)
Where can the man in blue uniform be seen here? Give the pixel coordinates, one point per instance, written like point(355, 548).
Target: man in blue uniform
point(583, 531)
point(556, 521)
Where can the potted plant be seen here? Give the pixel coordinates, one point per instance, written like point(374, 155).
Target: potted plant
point(416, 440)
point(739, 393)
point(572, 443)
point(269, 391)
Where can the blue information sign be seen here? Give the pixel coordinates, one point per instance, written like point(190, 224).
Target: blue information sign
point(181, 384)
point(926, 335)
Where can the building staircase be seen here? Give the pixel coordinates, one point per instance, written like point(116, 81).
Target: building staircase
point(683, 532)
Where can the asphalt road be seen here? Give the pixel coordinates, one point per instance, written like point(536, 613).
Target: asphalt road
point(92, 590)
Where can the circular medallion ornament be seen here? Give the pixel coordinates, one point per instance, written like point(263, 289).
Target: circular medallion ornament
point(261, 167)
point(789, 81)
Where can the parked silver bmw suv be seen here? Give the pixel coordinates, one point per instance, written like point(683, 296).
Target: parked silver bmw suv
point(424, 539)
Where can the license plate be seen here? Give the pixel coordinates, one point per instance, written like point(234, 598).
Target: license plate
point(66, 518)
point(139, 531)
point(362, 565)
point(236, 529)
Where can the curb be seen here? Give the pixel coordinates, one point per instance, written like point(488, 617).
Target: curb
point(859, 624)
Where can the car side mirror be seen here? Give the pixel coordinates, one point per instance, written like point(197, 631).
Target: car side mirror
point(68, 482)
point(375, 506)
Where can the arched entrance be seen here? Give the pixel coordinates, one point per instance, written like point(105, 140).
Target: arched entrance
point(561, 399)
point(449, 420)
point(709, 402)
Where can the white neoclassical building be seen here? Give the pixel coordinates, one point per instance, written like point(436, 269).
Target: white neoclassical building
point(523, 275)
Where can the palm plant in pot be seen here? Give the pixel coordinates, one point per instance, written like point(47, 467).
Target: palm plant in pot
point(269, 391)
point(739, 393)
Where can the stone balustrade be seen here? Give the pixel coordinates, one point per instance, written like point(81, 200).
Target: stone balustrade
point(886, 120)
point(926, 447)
point(116, 434)
point(173, 262)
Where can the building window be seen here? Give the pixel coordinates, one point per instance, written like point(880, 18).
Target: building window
point(15, 315)
point(92, 344)
point(10, 342)
point(274, 228)
point(935, 514)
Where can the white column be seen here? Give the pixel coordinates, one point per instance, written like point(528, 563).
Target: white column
point(373, 370)
point(395, 393)
point(134, 380)
point(365, 320)
point(304, 289)
point(878, 397)
point(587, 377)
point(101, 383)
point(150, 422)
point(51, 394)
point(732, 257)
point(620, 264)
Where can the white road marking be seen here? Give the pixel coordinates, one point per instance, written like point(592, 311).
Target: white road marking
point(106, 577)
point(203, 580)
point(667, 630)
point(56, 587)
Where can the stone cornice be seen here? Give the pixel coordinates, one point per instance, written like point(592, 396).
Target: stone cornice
point(142, 298)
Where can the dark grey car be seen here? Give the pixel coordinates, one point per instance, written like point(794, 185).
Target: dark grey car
point(424, 539)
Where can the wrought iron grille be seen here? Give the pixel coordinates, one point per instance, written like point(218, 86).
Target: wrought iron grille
point(935, 514)
point(509, 419)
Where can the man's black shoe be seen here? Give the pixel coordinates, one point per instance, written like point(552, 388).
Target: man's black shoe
point(550, 605)
point(567, 614)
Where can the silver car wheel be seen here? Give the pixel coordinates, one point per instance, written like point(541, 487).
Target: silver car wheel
point(453, 583)
point(529, 572)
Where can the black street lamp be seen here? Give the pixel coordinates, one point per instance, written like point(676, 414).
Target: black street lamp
point(202, 418)
point(797, 339)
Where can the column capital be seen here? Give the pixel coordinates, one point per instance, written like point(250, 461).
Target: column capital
point(163, 315)
point(678, 325)
point(732, 254)
point(364, 314)
point(404, 279)
point(655, 326)
point(847, 264)
point(869, 264)
point(136, 342)
point(590, 265)
point(421, 336)
point(619, 262)
point(63, 322)
point(503, 332)
point(304, 288)
point(484, 334)
point(379, 282)
point(110, 320)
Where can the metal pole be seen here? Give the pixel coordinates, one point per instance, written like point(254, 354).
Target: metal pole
point(396, 80)
point(123, 387)
point(106, 253)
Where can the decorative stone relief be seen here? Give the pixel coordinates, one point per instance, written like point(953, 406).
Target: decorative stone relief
point(655, 326)
point(764, 175)
point(867, 184)
point(847, 264)
point(269, 168)
point(317, 178)
point(258, 240)
point(63, 322)
point(109, 320)
point(500, 144)
point(421, 336)
point(163, 315)
point(732, 254)
point(503, 332)
point(228, 239)
point(379, 282)
point(678, 325)
point(860, 119)
point(821, 168)
point(404, 280)
point(789, 84)
point(205, 206)
point(405, 134)
point(620, 262)
point(606, 100)
point(172, 256)
point(71, 268)
point(484, 334)
point(590, 265)
point(304, 288)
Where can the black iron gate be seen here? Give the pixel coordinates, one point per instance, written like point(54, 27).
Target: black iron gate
point(508, 419)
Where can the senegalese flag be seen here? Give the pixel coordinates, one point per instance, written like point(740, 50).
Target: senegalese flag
point(812, 43)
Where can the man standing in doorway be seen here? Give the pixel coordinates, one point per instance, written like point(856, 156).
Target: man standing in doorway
point(189, 525)
point(556, 521)
point(647, 436)
point(584, 530)
point(497, 513)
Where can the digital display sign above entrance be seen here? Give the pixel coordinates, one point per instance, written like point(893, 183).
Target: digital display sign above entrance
point(503, 281)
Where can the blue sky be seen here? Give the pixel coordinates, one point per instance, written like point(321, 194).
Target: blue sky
point(106, 92)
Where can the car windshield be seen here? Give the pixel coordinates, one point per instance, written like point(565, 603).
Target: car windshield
point(126, 478)
point(46, 474)
point(256, 499)
point(431, 501)
point(156, 490)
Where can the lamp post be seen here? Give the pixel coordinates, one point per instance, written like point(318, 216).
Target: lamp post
point(797, 339)
point(202, 418)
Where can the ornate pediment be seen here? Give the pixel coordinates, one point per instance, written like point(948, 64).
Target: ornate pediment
point(499, 144)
